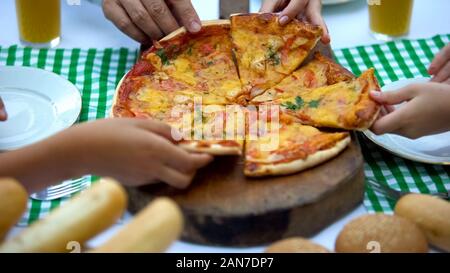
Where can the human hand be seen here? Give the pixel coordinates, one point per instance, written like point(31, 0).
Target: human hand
point(440, 67)
point(147, 20)
point(3, 115)
point(134, 151)
point(426, 111)
point(301, 9)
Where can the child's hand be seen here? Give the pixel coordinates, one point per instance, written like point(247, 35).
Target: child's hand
point(134, 151)
point(426, 112)
point(289, 9)
point(440, 67)
point(3, 115)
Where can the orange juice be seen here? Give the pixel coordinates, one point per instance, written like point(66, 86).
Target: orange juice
point(390, 17)
point(39, 21)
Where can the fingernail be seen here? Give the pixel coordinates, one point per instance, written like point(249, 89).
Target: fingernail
point(284, 19)
point(375, 93)
point(195, 26)
point(176, 135)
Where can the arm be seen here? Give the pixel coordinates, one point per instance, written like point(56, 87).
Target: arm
point(133, 151)
point(302, 9)
point(426, 111)
point(147, 20)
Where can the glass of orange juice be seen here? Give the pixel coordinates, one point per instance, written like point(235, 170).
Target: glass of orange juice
point(390, 19)
point(39, 22)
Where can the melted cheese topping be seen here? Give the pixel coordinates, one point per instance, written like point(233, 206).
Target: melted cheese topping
point(295, 141)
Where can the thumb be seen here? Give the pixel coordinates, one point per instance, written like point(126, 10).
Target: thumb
point(200, 160)
point(186, 14)
point(387, 124)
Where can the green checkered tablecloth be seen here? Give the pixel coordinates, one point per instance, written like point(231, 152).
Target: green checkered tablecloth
point(96, 72)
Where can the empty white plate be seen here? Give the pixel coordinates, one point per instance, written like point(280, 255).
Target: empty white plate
point(433, 149)
point(39, 104)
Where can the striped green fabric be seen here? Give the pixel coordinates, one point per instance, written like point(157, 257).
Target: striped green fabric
point(395, 61)
point(96, 72)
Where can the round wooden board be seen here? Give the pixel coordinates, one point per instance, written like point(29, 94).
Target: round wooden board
point(223, 207)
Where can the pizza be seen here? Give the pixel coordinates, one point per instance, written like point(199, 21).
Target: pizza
point(321, 71)
point(203, 60)
point(215, 131)
point(240, 88)
point(267, 52)
point(344, 105)
point(290, 148)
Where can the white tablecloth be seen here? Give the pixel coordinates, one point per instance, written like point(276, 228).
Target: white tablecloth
point(84, 26)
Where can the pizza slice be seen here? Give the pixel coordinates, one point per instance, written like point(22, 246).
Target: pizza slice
point(216, 130)
point(267, 52)
point(344, 105)
point(290, 147)
point(202, 60)
point(321, 71)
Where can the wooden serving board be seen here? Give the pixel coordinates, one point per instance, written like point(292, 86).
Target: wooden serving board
point(223, 207)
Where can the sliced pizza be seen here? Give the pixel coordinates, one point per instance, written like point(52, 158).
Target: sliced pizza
point(216, 130)
point(321, 71)
point(290, 147)
point(267, 52)
point(202, 60)
point(344, 105)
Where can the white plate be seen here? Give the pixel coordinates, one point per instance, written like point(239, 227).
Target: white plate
point(433, 149)
point(39, 103)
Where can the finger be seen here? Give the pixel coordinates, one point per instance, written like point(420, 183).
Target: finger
point(273, 6)
point(313, 12)
point(396, 97)
point(174, 178)
point(389, 108)
point(443, 74)
point(186, 15)
point(159, 128)
point(3, 115)
point(141, 18)
point(177, 158)
point(117, 14)
point(161, 14)
point(439, 60)
point(447, 81)
point(387, 124)
point(294, 8)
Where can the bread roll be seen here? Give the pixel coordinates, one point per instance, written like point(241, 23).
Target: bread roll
point(381, 233)
point(152, 230)
point(78, 220)
point(13, 203)
point(431, 214)
point(296, 245)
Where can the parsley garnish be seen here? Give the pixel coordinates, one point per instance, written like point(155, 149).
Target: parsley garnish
point(209, 63)
point(298, 104)
point(162, 55)
point(189, 51)
point(314, 103)
point(299, 101)
point(273, 56)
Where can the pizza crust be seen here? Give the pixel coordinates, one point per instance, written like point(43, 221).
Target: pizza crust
point(182, 30)
point(300, 164)
point(214, 149)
